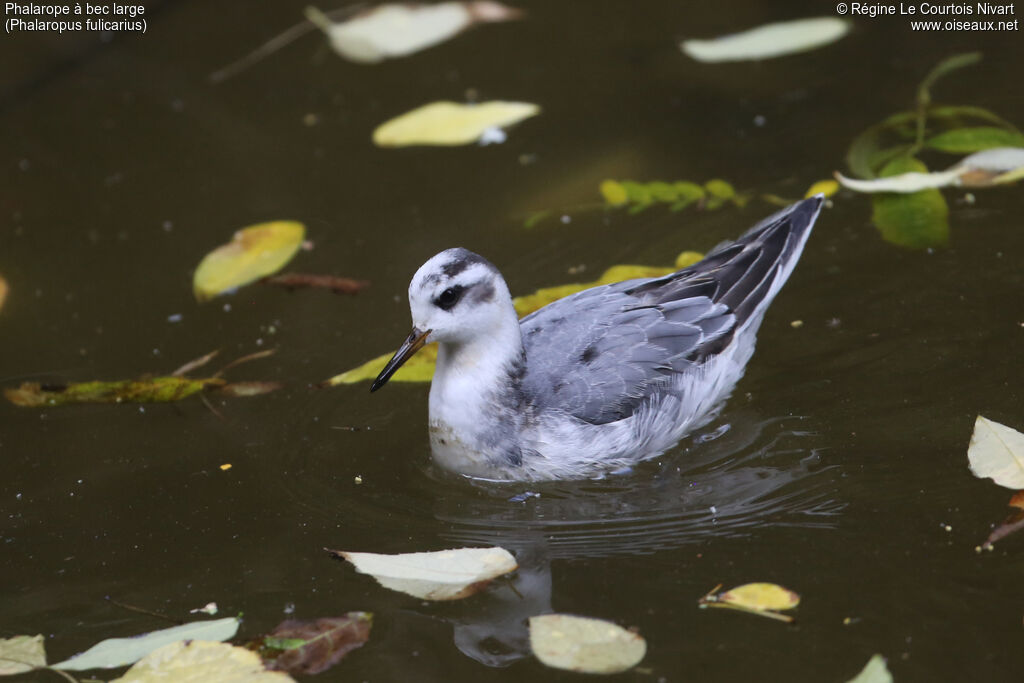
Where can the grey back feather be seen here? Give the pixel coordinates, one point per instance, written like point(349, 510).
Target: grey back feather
point(600, 353)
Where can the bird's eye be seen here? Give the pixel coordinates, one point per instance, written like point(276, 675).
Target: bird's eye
point(449, 297)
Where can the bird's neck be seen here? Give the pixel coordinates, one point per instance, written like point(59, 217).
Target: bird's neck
point(476, 400)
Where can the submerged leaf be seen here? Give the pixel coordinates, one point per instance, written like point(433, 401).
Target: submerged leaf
point(254, 252)
point(771, 40)
point(442, 575)
point(3, 291)
point(151, 390)
point(420, 368)
point(917, 220)
point(338, 285)
point(974, 139)
point(585, 645)
point(997, 452)
point(398, 30)
point(116, 652)
point(197, 661)
point(450, 123)
point(310, 647)
point(20, 654)
point(875, 671)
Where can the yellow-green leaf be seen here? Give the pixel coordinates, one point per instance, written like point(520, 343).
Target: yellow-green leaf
point(997, 452)
point(420, 368)
point(917, 220)
point(825, 187)
point(974, 139)
point(584, 645)
point(450, 123)
point(254, 252)
point(20, 654)
point(201, 661)
point(614, 193)
point(149, 390)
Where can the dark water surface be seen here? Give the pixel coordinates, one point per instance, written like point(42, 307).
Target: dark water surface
point(833, 470)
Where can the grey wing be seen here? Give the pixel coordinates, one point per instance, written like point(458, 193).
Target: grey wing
point(598, 354)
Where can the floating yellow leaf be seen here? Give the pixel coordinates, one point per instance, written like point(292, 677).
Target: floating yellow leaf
point(584, 645)
point(442, 575)
point(875, 671)
point(613, 192)
point(825, 187)
point(20, 654)
point(997, 452)
point(771, 40)
point(420, 368)
point(254, 252)
point(763, 599)
point(397, 30)
point(199, 661)
point(450, 123)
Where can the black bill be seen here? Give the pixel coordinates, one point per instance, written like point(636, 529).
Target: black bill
point(413, 343)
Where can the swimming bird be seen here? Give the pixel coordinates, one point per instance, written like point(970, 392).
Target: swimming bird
point(599, 380)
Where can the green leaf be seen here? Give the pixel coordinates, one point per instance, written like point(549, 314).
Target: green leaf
point(116, 652)
point(940, 70)
point(662, 191)
point(917, 220)
point(960, 112)
point(974, 139)
point(638, 193)
point(614, 193)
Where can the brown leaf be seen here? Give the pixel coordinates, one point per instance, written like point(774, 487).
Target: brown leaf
point(338, 285)
point(1017, 500)
point(309, 647)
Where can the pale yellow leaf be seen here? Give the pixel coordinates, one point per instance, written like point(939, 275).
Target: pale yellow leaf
point(760, 596)
point(450, 123)
point(254, 252)
point(200, 661)
point(584, 645)
point(904, 183)
point(997, 452)
point(875, 671)
point(441, 575)
point(20, 654)
point(770, 40)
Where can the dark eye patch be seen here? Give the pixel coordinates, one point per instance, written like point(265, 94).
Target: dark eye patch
point(447, 299)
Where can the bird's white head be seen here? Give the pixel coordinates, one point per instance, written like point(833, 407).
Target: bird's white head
point(456, 297)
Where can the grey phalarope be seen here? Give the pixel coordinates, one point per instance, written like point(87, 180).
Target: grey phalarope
point(599, 380)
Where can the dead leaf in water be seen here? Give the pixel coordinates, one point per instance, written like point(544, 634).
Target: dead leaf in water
point(3, 291)
point(997, 452)
point(254, 252)
point(338, 285)
point(198, 661)
point(441, 575)
point(21, 654)
point(584, 644)
point(763, 599)
point(310, 647)
point(450, 123)
point(162, 389)
point(397, 30)
point(771, 40)
point(875, 671)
